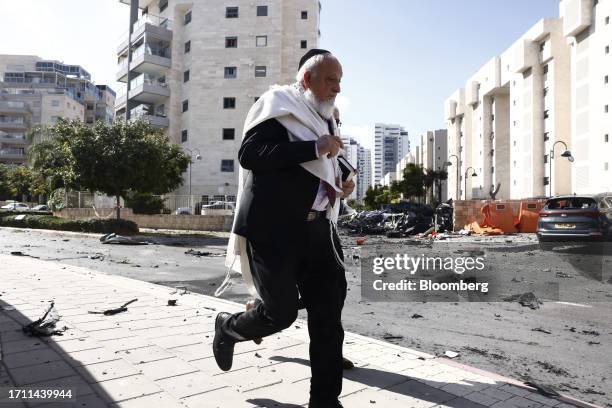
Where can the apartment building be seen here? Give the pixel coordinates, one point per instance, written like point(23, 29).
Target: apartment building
point(364, 166)
point(504, 122)
point(35, 91)
point(588, 31)
point(195, 68)
point(391, 143)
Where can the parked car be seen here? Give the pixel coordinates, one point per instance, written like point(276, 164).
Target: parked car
point(183, 211)
point(16, 206)
point(40, 207)
point(604, 202)
point(220, 205)
point(573, 218)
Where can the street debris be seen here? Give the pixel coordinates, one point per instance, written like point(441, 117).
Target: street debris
point(96, 256)
point(527, 299)
point(172, 302)
point(19, 253)
point(203, 253)
point(416, 316)
point(184, 292)
point(563, 275)
point(553, 369)
point(539, 329)
point(543, 389)
point(113, 238)
point(400, 220)
point(590, 332)
point(451, 354)
point(46, 325)
point(110, 312)
point(389, 336)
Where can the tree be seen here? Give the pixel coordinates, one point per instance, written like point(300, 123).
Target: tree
point(370, 197)
point(113, 158)
point(20, 180)
point(4, 181)
point(441, 175)
point(411, 185)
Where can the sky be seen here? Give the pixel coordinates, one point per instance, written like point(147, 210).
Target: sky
point(401, 58)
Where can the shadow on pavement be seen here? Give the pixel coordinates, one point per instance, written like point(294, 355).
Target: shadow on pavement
point(264, 402)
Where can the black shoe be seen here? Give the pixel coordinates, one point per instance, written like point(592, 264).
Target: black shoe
point(347, 364)
point(223, 348)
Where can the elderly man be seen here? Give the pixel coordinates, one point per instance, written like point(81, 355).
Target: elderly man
point(285, 224)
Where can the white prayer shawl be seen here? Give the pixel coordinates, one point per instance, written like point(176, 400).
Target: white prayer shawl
point(303, 123)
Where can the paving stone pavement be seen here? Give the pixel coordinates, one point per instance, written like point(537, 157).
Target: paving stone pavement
point(155, 355)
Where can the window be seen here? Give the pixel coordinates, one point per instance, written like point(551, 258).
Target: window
point(607, 20)
point(261, 41)
point(303, 44)
point(545, 158)
point(606, 166)
point(162, 5)
point(304, 15)
point(546, 181)
point(183, 135)
point(260, 71)
point(546, 114)
point(607, 49)
point(606, 138)
point(546, 136)
point(55, 102)
point(230, 72)
point(606, 79)
point(545, 91)
point(186, 76)
point(229, 103)
point(231, 42)
point(605, 108)
point(545, 69)
point(187, 18)
point(227, 165)
point(185, 105)
point(229, 134)
point(231, 12)
point(187, 46)
point(262, 11)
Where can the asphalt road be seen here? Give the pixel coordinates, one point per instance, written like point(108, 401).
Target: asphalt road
point(565, 343)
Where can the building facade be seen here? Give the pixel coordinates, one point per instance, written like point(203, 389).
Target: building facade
point(524, 112)
point(34, 91)
point(197, 67)
point(390, 145)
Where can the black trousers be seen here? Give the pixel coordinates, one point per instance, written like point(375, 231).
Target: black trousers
point(282, 272)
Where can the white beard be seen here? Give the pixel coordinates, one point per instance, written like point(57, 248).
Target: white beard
point(325, 108)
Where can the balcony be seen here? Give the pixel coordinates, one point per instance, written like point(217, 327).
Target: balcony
point(123, 43)
point(145, 112)
point(152, 26)
point(148, 89)
point(13, 123)
point(122, 73)
point(12, 139)
point(12, 154)
point(120, 102)
point(14, 107)
point(147, 59)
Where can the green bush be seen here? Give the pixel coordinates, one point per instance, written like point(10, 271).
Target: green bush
point(144, 203)
point(105, 226)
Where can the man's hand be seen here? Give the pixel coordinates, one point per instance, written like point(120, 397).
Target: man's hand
point(347, 188)
point(329, 145)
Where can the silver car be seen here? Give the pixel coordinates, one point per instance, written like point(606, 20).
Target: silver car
point(573, 218)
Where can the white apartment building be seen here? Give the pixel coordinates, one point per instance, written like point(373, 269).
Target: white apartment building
point(502, 125)
point(588, 31)
point(547, 94)
point(391, 143)
point(364, 178)
point(35, 91)
point(198, 66)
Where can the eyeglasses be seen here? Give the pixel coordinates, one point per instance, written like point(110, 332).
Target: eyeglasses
point(338, 123)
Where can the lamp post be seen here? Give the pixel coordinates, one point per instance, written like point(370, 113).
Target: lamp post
point(458, 169)
point(566, 153)
point(197, 156)
point(466, 175)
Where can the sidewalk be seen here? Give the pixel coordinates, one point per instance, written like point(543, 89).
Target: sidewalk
point(155, 355)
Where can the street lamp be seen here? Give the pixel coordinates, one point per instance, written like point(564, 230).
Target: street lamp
point(566, 153)
point(458, 169)
point(466, 174)
point(197, 156)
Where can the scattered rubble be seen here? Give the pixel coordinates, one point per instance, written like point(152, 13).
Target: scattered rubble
point(172, 302)
point(527, 299)
point(451, 354)
point(539, 329)
point(543, 389)
point(46, 325)
point(203, 253)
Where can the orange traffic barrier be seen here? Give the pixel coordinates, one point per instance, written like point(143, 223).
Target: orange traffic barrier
point(482, 230)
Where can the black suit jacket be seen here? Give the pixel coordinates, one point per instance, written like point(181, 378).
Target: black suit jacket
point(278, 192)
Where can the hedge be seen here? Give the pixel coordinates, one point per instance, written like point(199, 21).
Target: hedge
point(105, 226)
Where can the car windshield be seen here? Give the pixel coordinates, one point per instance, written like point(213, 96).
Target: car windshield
point(573, 203)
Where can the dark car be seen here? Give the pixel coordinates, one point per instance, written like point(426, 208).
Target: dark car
point(573, 218)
